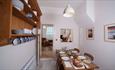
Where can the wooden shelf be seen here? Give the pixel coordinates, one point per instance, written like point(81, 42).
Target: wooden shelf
point(19, 14)
point(22, 35)
point(5, 18)
point(2, 43)
point(28, 9)
point(34, 6)
point(14, 19)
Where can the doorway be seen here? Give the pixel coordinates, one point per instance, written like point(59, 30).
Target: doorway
point(47, 41)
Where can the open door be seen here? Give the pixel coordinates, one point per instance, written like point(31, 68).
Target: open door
point(47, 41)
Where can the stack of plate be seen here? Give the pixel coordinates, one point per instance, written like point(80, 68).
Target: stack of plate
point(18, 4)
point(22, 31)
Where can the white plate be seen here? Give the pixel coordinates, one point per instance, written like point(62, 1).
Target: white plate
point(74, 52)
point(65, 58)
point(61, 52)
point(81, 57)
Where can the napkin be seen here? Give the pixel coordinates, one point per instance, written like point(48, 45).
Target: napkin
point(78, 67)
point(67, 64)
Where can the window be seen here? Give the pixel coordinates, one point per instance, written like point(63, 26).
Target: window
point(49, 31)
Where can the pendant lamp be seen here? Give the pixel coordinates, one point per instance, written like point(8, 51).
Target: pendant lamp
point(68, 11)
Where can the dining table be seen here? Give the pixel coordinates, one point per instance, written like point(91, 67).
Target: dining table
point(66, 62)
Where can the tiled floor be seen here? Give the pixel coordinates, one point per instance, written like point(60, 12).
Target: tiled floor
point(47, 52)
point(48, 64)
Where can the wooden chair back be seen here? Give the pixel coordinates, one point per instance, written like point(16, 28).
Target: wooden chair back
point(76, 49)
point(89, 56)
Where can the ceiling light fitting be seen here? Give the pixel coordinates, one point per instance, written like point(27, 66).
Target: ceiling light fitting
point(68, 11)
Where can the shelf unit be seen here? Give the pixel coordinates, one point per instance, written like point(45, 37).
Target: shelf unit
point(20, 15)
point(3, 43)
point(21, 35)
point(28, 9)
point(11, 18)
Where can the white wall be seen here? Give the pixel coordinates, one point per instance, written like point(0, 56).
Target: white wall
point(103, 51)
point(55, 16)
point(15, 57)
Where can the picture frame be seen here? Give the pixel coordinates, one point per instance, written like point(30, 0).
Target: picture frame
point(90, 33)
point(109, 32)
point(66, 35)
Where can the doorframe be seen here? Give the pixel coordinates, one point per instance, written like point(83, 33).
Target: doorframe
point(42, 36)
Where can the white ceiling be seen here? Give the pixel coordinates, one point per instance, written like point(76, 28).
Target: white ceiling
point(60, 3)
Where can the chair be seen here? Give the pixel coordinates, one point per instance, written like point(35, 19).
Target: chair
point(74, 52)
point(76, 49)
point(89, 56)
point(59, 61)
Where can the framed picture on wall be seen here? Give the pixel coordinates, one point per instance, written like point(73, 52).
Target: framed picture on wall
point(109, 32)
point(66, 35)
point(90, 33)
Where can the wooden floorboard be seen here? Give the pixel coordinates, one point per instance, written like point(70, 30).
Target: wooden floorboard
point(47, 64)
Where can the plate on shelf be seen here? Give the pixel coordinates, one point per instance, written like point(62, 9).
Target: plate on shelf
point(26, 1)
point(18, 4)
point(34, 31)
point(21, 39)
point(29, 15)
point(35, 12)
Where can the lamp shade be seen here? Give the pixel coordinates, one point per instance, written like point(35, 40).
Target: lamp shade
point(68, 11)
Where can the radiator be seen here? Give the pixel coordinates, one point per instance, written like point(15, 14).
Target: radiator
point(30, 64)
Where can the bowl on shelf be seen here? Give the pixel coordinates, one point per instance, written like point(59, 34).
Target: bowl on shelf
point(29, 15)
